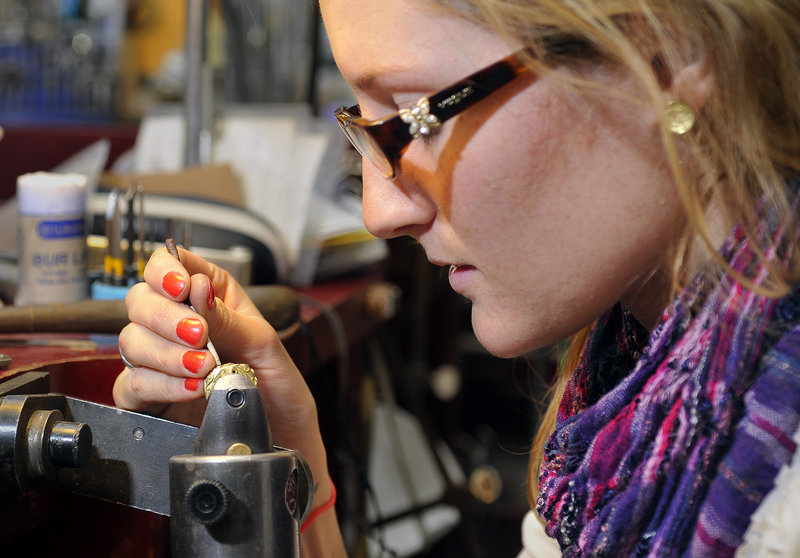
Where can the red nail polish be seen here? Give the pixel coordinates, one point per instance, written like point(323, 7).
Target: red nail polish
point(190, 330)
point(173, 283)
point(193, 361)
point(192, 383)
point(212, 297)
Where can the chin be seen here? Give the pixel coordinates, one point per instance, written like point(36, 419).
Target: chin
point(508, 335)
point(500, 341)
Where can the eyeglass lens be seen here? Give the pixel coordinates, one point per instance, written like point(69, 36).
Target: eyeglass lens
point(369, 148)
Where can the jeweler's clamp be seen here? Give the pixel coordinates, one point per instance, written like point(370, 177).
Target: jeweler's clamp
point(236, 494)
point(229, 491)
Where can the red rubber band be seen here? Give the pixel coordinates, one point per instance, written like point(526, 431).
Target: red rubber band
point(322, 509)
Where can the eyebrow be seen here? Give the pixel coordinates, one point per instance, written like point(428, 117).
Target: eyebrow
point(374, 78)
point(366, 80)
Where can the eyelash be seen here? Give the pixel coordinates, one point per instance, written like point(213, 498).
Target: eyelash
point(427, 140)
point(404, 104)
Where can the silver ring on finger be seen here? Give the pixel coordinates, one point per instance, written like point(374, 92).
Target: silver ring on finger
point(125, 361)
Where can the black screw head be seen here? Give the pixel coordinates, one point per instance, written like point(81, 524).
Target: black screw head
point(208, 501)
point(235, 398)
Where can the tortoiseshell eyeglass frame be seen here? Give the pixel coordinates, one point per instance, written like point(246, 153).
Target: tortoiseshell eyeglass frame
point(384, 141)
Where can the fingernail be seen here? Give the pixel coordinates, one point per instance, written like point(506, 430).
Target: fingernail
point(190, 330)
point(192, 383)
point(173, 283)
point(212, 297)
point(193, 361)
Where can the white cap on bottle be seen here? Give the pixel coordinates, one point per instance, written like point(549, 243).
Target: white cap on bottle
point(47, 193)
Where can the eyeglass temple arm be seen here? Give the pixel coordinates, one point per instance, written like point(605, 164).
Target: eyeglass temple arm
point(454, 99)
point(393, 135)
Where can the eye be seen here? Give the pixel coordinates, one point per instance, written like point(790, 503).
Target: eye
point(376, 110)
point(427, 139)
point(405, 105)
point(407, 100)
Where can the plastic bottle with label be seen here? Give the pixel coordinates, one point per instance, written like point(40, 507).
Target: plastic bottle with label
point(53, 256)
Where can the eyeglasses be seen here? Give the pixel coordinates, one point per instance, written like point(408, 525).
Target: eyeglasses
point(384, 141)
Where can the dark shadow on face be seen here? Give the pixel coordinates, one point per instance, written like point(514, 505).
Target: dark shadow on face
point(463, 128)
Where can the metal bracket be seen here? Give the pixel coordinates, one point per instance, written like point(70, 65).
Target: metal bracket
point(119, 456)
point(228, 491)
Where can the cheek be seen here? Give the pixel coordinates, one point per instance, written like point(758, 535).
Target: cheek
point(498, 174)
point(575, 207)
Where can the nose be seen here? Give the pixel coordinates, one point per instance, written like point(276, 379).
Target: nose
point(393, 208)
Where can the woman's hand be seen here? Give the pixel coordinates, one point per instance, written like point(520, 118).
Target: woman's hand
point(166, 340)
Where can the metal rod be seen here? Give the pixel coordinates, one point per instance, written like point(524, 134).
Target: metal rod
point(195, 89)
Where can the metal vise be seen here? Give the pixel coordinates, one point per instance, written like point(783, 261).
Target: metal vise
point(229, 491)
point(235, 495)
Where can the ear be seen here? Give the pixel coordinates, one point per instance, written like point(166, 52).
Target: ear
point(692, 84)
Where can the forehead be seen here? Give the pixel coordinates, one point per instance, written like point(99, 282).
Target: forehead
point(370, 38)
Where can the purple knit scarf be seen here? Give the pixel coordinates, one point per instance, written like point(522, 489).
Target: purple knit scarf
point(667, 442)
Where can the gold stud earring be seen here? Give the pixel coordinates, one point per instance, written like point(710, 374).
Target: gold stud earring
point(680, 117)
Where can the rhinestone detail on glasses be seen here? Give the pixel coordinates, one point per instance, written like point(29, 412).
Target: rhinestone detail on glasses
point(419, 118)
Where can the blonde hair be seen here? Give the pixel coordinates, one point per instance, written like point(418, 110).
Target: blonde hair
point(746, 140)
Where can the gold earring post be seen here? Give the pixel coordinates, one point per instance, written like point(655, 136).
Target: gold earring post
point(680, 117)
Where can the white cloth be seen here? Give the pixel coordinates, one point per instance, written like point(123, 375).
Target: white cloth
point(774, 530)
point(535, 542)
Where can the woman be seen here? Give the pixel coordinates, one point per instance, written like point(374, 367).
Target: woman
point(623, 170)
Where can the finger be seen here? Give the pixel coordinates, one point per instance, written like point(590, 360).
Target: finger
point(202, 294)
point(168, 276)
point(169, 319)
point(195, 265)
point(140, 387)
point(165, 274)
point(244, 338)
point(144, 348)
point(232, 331)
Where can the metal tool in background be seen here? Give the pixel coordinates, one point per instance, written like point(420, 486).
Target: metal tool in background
point(135, 257)
point(214, 226)
point(124, 259)
point(229, 491)
point(113, 265)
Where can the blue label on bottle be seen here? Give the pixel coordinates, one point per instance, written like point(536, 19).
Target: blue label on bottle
point(70, 228)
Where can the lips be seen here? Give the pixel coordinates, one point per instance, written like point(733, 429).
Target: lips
point(455, 268)
point(459, 276)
